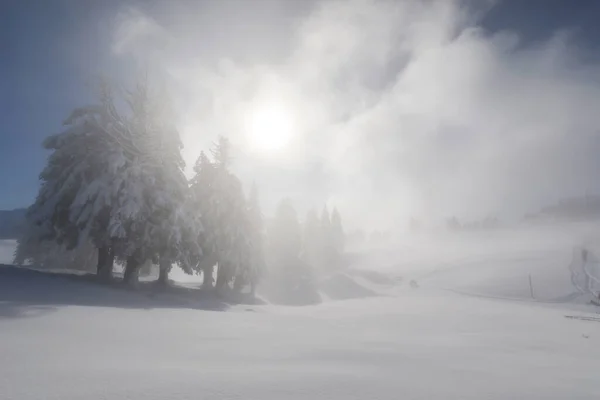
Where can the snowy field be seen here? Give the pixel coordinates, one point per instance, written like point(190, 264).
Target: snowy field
point(7, 248)
point(471, 330)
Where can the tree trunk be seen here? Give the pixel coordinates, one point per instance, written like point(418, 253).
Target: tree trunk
point(222, 276)
point(105, 263)
point(111, 259)
point(164, 267)
point(207, 274)
point(132, 271)
point(102, 256)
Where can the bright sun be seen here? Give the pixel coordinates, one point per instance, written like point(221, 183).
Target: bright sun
point(269, 128)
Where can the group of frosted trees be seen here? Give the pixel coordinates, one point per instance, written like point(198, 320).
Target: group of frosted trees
point(114, 192)
point(114, 187)
point(324, 239)
point(297, 252)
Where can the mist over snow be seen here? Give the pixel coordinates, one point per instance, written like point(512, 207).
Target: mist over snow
point(380, 200)
point(399, 108)
point(470, 330)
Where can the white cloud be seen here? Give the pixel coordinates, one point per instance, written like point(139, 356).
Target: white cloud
point(410, 107)
point(137, 33)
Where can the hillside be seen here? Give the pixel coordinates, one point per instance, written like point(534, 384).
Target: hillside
point(77, 341)
point(583, 208)
point(460, 335)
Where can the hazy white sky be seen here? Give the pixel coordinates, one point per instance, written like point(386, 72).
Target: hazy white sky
point(398, 109)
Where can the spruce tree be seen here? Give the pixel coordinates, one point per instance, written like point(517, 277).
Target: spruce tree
point(312, 241)
point(85, 157)
point(219, 198)
point(337, 231)
point(115, 179)
point(256, 233)
point(285, 237)
point(327, 248)
point(291, 279)
point(205, 202)
point(158, 224)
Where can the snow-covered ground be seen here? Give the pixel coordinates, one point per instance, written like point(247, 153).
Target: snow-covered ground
point(7, 249)
point(460, 335)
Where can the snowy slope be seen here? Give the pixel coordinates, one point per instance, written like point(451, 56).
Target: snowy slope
point(377, 339)
point(64, 342)
point(494, 264)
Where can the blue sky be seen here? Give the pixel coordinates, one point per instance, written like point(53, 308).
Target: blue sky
point(51, 49)
point(47, 55)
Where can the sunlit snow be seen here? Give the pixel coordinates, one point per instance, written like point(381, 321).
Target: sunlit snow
point(471, 330)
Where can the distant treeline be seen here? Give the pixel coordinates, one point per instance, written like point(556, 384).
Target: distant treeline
point(489, 223)
point(573, 209)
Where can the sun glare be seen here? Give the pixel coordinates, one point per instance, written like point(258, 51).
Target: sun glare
point(269, 128)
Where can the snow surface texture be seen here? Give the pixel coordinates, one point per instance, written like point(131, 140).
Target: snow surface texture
point(455, 337)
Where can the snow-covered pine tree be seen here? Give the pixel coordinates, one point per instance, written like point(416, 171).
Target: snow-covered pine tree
point(235, 248)
point(325, 223)
point(337, 231)
point(223, 212)
point(285, 237)
point(233, 240)
point(311, 239)
point(177, 228)
point(159, 224)
point(115, 179)
point(221, 153)
point(180, 241)
point(290, 278)
point(255, 265)
point(327, 247)
point(205, 203)
point(110, 208)
point(219, 198)
point(84, 156)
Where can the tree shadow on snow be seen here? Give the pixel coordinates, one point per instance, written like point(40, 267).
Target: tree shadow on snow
point(26, 293)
